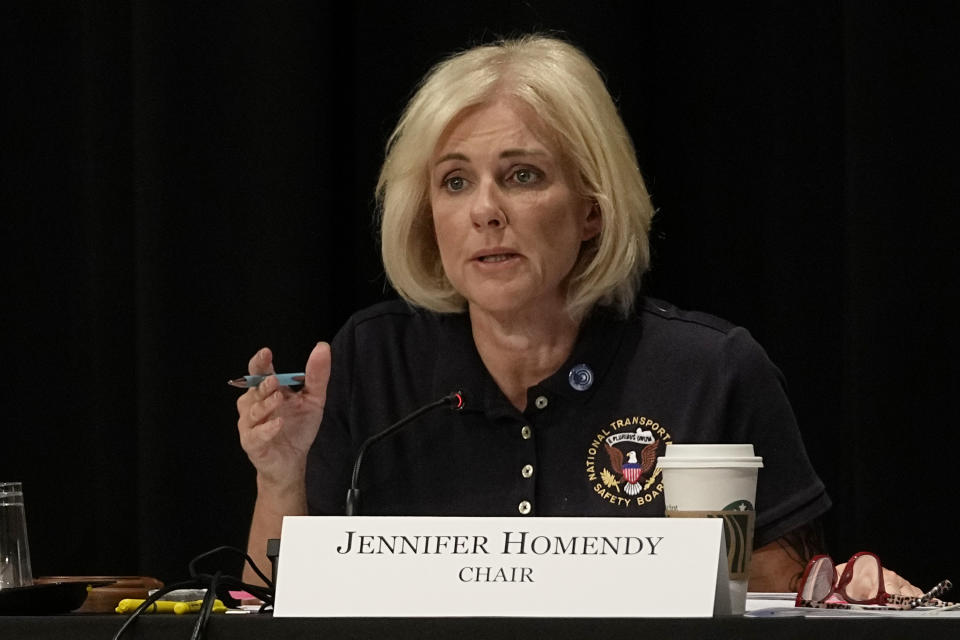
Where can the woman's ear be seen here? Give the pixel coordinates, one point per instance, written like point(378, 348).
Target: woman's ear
point(593, 222)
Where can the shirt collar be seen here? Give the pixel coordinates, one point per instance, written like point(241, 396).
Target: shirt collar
point(460, 367)
point(599, 341)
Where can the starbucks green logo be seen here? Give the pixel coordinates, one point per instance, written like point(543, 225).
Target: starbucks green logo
point(738, 534)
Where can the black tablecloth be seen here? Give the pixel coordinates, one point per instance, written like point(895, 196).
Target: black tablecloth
point(265, 627)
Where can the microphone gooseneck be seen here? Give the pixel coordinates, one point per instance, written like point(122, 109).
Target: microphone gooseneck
point(454, 400)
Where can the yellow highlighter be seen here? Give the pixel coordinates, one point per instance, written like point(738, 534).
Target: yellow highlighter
point(195, 606)
point(129, 605)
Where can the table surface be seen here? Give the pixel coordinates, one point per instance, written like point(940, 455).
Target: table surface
point(265, 627)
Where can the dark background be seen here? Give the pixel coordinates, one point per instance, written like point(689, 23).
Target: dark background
point(183, 183)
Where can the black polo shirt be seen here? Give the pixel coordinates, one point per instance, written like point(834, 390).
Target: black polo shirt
point(662, 375)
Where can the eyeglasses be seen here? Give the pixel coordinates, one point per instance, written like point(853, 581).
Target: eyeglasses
point(860, 585)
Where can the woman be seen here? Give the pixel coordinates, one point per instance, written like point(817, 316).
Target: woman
point(514, 225)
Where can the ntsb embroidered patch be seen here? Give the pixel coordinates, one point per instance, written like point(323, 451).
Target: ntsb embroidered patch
point(621, 464)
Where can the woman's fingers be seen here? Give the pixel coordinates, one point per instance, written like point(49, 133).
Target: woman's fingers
point(262, 410)
point(257, 403)
point(318, 372)
point(256, 440)
point(895, 584)
point(261, 363)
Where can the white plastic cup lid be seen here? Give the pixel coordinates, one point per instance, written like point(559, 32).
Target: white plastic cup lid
point(709, 456)
point(679, 449)
point(755, 462)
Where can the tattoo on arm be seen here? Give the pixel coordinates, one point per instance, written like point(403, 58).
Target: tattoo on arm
point(801, 544)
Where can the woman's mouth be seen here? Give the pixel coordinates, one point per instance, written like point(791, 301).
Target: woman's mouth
point(498, 257)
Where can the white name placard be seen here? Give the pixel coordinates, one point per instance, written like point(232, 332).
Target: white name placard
point(530, 567)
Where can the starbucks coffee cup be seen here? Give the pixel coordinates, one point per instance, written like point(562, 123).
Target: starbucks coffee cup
point(716, 481)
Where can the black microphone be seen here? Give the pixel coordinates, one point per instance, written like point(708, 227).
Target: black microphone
point(455, 401)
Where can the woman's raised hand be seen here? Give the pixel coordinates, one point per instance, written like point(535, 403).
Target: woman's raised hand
point(277, 425)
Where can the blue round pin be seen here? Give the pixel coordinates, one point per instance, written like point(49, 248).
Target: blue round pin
point(581, 377)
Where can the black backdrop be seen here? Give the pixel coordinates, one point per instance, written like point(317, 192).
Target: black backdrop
point(186, 182)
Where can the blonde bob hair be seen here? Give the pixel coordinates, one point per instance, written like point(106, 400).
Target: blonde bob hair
point(563, 87)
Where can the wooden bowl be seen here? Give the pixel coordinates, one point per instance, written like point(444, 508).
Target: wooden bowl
point(105, 592)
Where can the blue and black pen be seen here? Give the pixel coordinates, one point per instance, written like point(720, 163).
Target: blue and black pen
point(283, 379)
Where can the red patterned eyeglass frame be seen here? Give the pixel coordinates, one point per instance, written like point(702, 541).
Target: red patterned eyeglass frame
point(838, 586)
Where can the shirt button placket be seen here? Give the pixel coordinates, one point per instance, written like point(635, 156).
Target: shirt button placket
point(540, 402)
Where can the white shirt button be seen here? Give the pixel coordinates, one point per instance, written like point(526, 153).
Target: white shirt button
point(541, 402)
point(526, 432)
point(524, 507)
point(527, 470)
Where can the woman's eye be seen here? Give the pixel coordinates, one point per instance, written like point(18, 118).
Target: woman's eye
point(525, 176)
point(455, 183)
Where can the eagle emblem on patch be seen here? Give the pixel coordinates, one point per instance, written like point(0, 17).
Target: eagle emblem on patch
point(633, 470)
point(621, 463)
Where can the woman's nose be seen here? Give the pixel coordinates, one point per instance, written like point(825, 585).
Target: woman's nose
point(487, 208)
